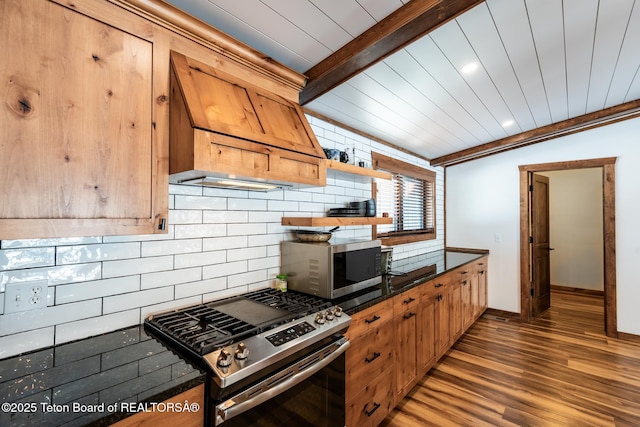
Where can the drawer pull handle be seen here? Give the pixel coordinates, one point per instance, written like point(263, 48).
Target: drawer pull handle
point(409, 301)
point(375, 408)
point(375, 356)
point(409, 315)
point(372, 320)
point(439, 285)
point(464, 272)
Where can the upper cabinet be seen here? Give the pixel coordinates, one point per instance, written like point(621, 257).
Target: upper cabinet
point(226, 126)
point(79, 153)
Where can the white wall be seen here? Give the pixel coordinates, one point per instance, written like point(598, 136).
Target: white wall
point(575, 228)
point(220, 243)
point(482, 204)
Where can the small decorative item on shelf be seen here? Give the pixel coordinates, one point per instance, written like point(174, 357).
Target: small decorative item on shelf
point(281, 282)
point(332, 153)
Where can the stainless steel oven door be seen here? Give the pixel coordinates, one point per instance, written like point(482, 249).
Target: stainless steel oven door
point(310, 392)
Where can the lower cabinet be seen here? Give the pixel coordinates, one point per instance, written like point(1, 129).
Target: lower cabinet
point(171, 418)
point(370, 366)
point(406, 338)
point(396, 342)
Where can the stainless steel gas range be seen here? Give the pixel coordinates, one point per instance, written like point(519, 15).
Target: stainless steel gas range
point(273, 358)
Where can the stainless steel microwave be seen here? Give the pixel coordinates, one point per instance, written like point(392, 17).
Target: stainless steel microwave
point(331, 270)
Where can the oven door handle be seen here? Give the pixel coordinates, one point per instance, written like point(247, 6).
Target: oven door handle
point(294, 375)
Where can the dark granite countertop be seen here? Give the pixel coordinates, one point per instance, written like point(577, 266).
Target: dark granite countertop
point(91, 381)
point(407, 273)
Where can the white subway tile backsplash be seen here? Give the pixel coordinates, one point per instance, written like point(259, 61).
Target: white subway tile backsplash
point(246, 278)
point(12, 259)
point(100, 252)
point(33, 243)
point(224, 217)
point(246, 253)
point(169, 247)
point(12, 345)
point(13, 323)
point(246, 229)
point(264, 263)
point(171, 277)
point(282, 205)
point(192, 231)
point(224, 243)
point(201, 287)
point(221, 270)
point(55, 275)
point(199, 259)
point(200, 203)
point(96, 289)
point(246, 205)
point(185, 216)
point(136, 266)
point(138, 299)
point(95, 326)
point(219, 243)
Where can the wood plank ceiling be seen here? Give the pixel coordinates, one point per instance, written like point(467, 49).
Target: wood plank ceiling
point(543, 67)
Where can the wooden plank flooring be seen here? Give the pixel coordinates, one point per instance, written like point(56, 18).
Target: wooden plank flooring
point(559, 370)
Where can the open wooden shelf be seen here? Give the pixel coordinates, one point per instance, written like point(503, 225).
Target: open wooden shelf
point(346, 168)
point(324, 221)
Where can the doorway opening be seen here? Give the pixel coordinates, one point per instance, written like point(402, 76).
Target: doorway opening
point(527, 264)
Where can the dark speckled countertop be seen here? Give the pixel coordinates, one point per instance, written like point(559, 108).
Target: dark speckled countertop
point(407, 273)
point(48, 387)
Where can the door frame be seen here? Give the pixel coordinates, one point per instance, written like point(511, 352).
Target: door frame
point(609, 235)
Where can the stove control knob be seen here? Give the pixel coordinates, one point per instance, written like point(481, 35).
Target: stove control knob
point(328, 315)
point(320, 319)
point(224, 359)
point(242, 352)
point(337, 311)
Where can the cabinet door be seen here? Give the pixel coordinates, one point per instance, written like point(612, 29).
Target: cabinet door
point(427, 332)
point(405, 311)
point(443, 327)
point(455, 305)
point(482, 286)
point(467, 305)
point(77, 144)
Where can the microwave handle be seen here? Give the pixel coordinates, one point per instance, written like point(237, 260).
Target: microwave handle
point(235, 406)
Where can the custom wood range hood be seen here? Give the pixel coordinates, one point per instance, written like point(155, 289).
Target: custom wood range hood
point(226, 131)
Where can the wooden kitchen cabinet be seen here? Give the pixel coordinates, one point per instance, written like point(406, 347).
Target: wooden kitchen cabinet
point(79, 151)
point(226, 126)
point(369, 391)
point(405, 314)
point(481, 271)
point(171, 418)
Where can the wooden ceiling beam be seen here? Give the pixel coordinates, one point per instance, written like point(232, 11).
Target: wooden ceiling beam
point(617, 113)
point(408, 23)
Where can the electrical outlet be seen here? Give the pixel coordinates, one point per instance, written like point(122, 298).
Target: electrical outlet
point(25, 296)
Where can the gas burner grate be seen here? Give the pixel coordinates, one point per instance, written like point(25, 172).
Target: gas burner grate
point(201, 328)
point(298, 303)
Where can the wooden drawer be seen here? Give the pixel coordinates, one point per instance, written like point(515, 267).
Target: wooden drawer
point(373, 404)
point(370, 318)
point(435, 286)
point(407, 301)
point(368, 356)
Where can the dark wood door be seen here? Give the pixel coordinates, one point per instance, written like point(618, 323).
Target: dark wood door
point(540, 246)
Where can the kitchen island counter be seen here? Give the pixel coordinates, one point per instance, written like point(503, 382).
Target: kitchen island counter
point(95, 381)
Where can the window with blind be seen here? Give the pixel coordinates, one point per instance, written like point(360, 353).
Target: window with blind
point(408, 198)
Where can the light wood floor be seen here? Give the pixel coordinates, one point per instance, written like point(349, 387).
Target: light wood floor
point(560, 370)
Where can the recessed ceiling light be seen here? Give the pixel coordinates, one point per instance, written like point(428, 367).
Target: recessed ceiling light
point(469, 68)
point(507, 123)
